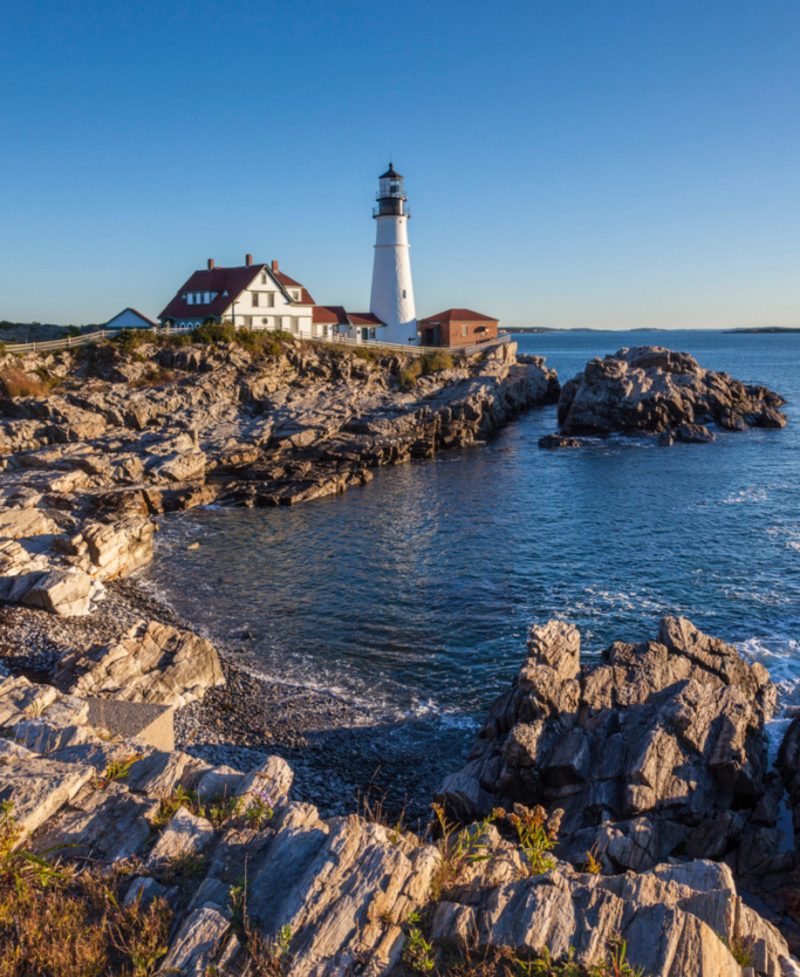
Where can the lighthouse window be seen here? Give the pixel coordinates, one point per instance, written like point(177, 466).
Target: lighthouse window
point(404, 293)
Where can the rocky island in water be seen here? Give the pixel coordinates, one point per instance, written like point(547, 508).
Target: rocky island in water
point(615, 816)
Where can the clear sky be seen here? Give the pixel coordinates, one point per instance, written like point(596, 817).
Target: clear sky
point(605, 163)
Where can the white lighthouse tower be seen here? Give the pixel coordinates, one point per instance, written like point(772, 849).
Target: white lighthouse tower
point(392, 298)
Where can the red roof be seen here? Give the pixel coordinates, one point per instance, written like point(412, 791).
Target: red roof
point(365, 319)
point(338, 314)
point(329, 313)
point(229, 283)
point(459, 315)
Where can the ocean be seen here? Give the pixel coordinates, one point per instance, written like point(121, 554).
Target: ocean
point(412, 596)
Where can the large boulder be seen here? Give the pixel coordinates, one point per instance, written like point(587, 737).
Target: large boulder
point(152, 663)
point(641, 751)
point(652, 389)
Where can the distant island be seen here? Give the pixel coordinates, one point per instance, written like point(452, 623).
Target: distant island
point(538, 329)
point(764, 329)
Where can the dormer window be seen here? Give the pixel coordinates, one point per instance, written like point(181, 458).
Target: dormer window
point(296, 296)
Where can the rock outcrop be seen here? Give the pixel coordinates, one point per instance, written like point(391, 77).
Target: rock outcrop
point(659, 748)
point(652, 390)
point(152, 663)
point(125, 438)
point(325, 897)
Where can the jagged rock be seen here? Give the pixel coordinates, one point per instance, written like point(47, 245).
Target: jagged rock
point(144, 890)
point(694, 434)
point(24, 523)
point(652, 389)
point(337, 884)
point(103, 821)
point(640, 751)
point(673, 919)
point(273, 778)
point(21, 699)
point(64, 591)
point(184, 835)
point(38, 789)
point(558, 441)
point(197, 942)
point(114, 549)
point(153, 663)
point(222, 781)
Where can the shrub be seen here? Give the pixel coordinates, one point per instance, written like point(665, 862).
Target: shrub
point(129, 339)
point(439, 360)
point(260, 342)
point(17, 383)
point(214, 332)
point(535, 839)
point(368, 354)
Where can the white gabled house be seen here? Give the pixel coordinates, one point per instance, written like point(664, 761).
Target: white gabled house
point(129, 319)
point(263, 297)
point(250, 296)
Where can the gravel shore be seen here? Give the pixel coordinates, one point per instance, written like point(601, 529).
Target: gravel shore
point(341, 757)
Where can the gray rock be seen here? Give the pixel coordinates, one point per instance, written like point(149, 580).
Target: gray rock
point(62, 591)
point(154, 663)
point(184, 835)
point(197, 942)
point(652, 389)
point(640, 751)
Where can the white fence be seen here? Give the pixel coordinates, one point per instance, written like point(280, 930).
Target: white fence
point(70, 342)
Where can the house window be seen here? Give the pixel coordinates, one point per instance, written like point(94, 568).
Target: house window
point(278, 322)
point(265, 321)
point(271, 300)
point(255, 300)
point(295, 324)
point(190, 298)
point(372, 334)
point(465, 330)
point(264, 279)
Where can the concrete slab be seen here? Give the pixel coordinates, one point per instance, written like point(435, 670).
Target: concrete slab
point(145, 722)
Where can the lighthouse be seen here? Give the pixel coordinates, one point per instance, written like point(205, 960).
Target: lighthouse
point(392, 293)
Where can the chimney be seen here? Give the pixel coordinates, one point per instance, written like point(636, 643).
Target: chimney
point(248, 259)
point(274, 265)
point(210, 263)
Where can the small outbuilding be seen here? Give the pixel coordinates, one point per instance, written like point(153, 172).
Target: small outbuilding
point(130, 319)
point(457, 327)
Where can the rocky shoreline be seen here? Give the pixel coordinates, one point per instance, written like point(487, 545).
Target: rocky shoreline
point(185, 816)
point(647, 847)
point(249, 718)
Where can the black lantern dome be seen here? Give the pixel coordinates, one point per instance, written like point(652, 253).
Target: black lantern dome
point(390, 196)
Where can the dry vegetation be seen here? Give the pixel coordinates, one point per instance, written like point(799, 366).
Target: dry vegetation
point(16, 383)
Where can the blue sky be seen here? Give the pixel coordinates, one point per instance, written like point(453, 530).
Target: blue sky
point(606, 163)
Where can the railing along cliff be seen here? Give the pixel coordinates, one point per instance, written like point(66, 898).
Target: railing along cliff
point(70, 342)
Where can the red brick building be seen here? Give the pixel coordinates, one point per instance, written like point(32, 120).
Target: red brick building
point(457, 327)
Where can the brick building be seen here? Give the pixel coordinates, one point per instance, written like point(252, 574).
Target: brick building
point(457, 327)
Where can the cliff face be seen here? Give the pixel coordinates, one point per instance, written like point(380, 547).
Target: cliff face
point(123, 437)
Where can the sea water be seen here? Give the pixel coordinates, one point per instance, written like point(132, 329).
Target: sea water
point(412, 596)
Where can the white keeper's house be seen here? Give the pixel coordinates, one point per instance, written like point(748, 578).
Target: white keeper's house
point(255, 296)
point(250, 296)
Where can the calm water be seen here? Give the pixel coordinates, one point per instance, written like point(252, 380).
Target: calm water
point(413, 595)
